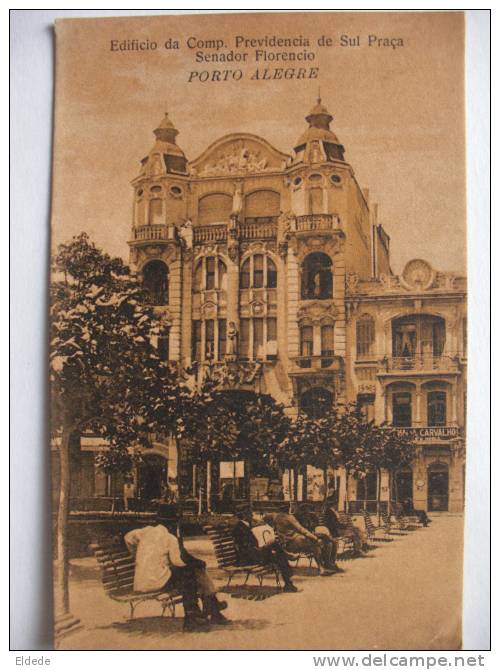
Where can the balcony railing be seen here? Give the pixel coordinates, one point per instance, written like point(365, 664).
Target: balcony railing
point(209, 234)
point(329, 362)
point(310, 222)
point(154, 233)
point(259, 228)
point(419, 363)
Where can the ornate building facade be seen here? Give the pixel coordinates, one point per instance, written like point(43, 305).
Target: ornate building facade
point(273, 270)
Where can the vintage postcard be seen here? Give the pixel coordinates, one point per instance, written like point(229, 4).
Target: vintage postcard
point(258, 353)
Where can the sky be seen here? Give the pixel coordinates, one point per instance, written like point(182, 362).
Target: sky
point(399, 112)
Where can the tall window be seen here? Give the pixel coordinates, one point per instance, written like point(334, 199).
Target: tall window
point(436, 408)
point(209, 339)
point(327, 348)
point(306, 346)
point(258, 271)
point(401, 409)
point(163, 345)
point(257, 339)
point(317, 279)
point(222, 339)
point(244, 343)
point(210, 274)
point(155, 211)
point(155, 282)
point(196, 353)
point(365, 336)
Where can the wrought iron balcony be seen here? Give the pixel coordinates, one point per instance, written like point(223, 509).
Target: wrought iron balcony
point(419, 363)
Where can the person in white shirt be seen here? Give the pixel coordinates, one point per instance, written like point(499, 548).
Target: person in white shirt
point(161, 563)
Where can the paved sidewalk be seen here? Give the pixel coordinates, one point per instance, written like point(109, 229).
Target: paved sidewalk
point(405, 594)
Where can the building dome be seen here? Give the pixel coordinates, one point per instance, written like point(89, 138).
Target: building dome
point(165, 157)
point(318, 143)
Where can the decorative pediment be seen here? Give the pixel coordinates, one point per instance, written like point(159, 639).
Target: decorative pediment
point(237, 155)
point(315, 310)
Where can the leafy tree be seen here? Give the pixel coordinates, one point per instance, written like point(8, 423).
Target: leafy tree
point(104, 370)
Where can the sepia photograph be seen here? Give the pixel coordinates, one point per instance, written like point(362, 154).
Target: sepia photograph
point(258, 331)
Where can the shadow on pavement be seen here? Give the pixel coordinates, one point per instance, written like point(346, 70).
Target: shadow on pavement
point(168, 626)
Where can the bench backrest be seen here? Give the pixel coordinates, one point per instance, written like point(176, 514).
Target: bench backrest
point(370, 527)
point(222, 540)
point(346, 520)
point(117, 567)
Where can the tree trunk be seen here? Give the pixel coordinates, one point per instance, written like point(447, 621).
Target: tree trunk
point(379, 490)
point(249, 474)
point(209, 485)
point(325, 482)
point(62, 592)
point(346, 501)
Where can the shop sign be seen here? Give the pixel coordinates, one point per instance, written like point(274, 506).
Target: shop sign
point(432, 433)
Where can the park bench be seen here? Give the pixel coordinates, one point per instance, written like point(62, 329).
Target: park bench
point(227, 559)
point(395, 527)
point(372, 530)
point(117, 575)
point(406, 521)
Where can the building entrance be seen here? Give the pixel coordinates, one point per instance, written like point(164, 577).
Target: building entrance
point(152, 477)
point(437, 488)
point(403, 485)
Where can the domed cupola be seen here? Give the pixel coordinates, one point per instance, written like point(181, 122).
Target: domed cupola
point(318, 143)
point(165, 157)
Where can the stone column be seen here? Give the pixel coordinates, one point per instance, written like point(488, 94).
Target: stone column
point(293, 290)
point(418, 406)
point(186, 312)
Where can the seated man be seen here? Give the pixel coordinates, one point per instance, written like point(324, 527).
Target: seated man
point(162, 564)
point(308, 518)
point(409, 510)
point(296, 539)
point(249, 552)
point(337, 528)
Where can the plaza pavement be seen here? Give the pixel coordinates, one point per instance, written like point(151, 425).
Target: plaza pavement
point(406, 594)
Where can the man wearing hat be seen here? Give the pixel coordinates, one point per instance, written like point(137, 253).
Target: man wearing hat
point(161, 562)
point(249, 552)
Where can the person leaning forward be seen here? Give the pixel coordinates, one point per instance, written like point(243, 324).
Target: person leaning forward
point(297, 540)
point(249, 552)
point(161, 563)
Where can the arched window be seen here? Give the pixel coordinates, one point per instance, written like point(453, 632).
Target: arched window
point(317, 280)
point(210, 273)
point(262, 205)
point(155, 282)
point(258, 271)
point(436, 408)
point(214, 208)
point(316, 402)
point(365, 336)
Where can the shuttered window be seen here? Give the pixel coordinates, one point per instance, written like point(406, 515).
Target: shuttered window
point(262, 204)
point(214, 208)
point(365, 336)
